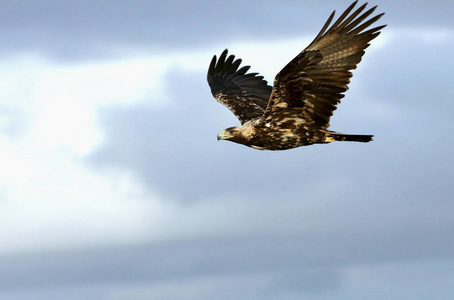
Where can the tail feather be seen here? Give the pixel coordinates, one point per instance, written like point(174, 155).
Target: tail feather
point(352, 137)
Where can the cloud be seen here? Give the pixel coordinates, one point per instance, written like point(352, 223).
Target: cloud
point(113, 186)
point(182, 136)
point(264, 265)
point(50, 197)
point(72, 207)
point(172, 150)
point(70, 31)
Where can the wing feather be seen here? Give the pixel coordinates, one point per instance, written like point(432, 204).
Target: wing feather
point(245, 94)
point(316, 79)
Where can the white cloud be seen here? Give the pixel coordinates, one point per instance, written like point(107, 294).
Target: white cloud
point(50, 198)
point(54, 201)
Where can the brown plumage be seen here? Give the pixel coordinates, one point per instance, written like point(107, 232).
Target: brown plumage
point(296, 110)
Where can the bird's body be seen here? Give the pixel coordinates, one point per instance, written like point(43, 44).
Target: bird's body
point(296, 110)
point(288, 134)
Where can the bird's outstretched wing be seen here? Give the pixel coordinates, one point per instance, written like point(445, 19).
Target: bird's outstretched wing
point(244, 94)
point(315, 79)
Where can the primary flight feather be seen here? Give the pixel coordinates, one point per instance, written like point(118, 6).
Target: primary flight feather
point(296, 110)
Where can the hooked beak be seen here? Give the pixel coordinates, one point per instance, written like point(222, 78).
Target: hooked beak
point(223, 136)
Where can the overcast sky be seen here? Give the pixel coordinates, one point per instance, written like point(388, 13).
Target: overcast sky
point(113, 186)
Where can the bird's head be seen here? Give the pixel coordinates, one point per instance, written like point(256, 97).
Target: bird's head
point(227, 134)
point(234, 134)
point(241, 134)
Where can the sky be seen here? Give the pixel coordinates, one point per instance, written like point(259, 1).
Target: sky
point(113, 185)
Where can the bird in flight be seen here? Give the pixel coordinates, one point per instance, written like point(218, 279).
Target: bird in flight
point(296, 111)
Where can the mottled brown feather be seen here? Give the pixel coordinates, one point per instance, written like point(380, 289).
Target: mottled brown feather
point(297, 110)
point(245, 94)
point(317, 78)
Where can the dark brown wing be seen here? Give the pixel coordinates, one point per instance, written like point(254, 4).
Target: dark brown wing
point(315, 79)
point(245, 95)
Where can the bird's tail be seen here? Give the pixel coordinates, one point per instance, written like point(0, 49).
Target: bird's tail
point(336, 136)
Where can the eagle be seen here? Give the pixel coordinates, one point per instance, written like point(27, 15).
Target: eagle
point(296, 111)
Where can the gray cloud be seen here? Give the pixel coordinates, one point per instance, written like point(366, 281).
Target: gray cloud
point(93, 30)
point(292, 263)
point(157, 141)
point(382, 203)
point(175, 148)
